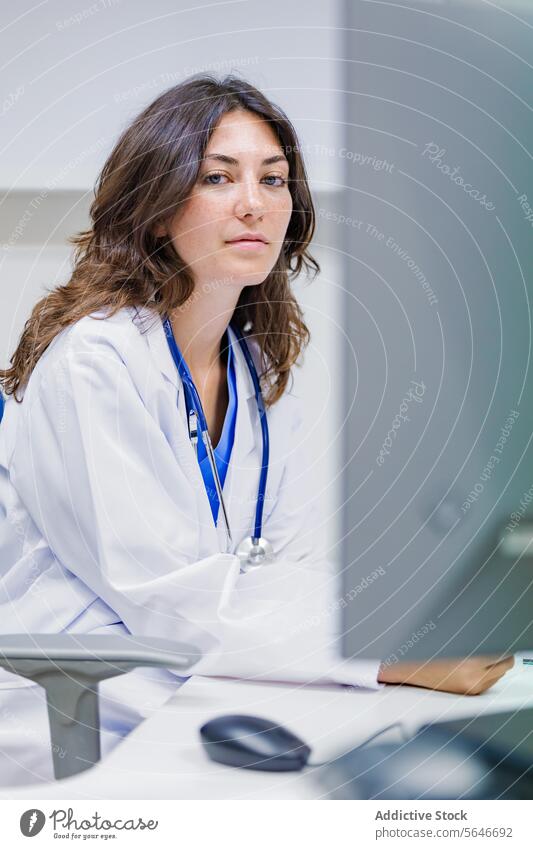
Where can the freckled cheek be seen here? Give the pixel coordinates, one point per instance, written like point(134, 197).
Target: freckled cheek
point(206, 212)
point(282, 219)
point(201, 228)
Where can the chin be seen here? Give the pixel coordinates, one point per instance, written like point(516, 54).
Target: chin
point(256, 280)
point(247, 279)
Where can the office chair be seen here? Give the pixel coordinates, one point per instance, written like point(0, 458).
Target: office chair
point(70, 667)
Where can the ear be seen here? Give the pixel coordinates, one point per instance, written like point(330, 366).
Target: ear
point(159, 230)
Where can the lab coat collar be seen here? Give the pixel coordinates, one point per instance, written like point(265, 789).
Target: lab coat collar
point(151, 325)
point(158, 344)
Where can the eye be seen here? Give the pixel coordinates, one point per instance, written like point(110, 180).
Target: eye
point(207, 179)
point(276, 177)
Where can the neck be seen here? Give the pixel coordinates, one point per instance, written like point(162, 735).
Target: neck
point(200, 323)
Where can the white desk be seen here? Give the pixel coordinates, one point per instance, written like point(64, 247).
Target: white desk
point(163, 758)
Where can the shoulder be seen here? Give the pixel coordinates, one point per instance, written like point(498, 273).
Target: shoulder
point(118, 331)
point(104, 337)
point(100, 331)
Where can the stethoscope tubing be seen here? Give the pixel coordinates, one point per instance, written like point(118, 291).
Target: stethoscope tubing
point(185, 376)
point(264, 433)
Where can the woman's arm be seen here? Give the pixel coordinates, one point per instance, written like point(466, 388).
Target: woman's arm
point(468, 676)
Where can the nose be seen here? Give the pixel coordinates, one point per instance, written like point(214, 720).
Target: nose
point(249, 200)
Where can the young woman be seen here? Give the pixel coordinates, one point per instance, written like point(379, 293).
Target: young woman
point(134, 433)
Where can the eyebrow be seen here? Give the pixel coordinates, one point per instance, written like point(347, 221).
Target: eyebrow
point(230, 160)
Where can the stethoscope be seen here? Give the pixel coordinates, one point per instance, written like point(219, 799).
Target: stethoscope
point(255, 550)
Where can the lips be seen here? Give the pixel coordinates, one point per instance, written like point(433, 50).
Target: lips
point(254, 245)
point(249, 237)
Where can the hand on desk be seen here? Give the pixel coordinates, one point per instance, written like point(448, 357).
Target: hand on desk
point(467, 676)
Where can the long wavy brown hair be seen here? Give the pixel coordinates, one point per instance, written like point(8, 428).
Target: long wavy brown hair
point(119, 262)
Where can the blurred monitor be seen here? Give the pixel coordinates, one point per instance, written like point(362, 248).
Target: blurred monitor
point(436, 228)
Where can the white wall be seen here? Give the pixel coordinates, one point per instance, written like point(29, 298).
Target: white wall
point(76, 72)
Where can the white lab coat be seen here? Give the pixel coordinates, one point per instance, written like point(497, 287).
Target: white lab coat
point(106, 527)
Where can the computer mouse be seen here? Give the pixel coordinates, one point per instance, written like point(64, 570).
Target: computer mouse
point(252, 742)
point(431, 765)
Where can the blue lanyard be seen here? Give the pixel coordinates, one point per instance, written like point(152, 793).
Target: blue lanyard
point(186, 377)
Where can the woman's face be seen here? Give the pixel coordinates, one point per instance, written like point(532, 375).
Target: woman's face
point(237, 192)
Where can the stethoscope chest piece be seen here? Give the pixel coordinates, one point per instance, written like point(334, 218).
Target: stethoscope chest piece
point(253, 552)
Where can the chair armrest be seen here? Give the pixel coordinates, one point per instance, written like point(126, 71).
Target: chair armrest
point(70, 667)
point(115, 648)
